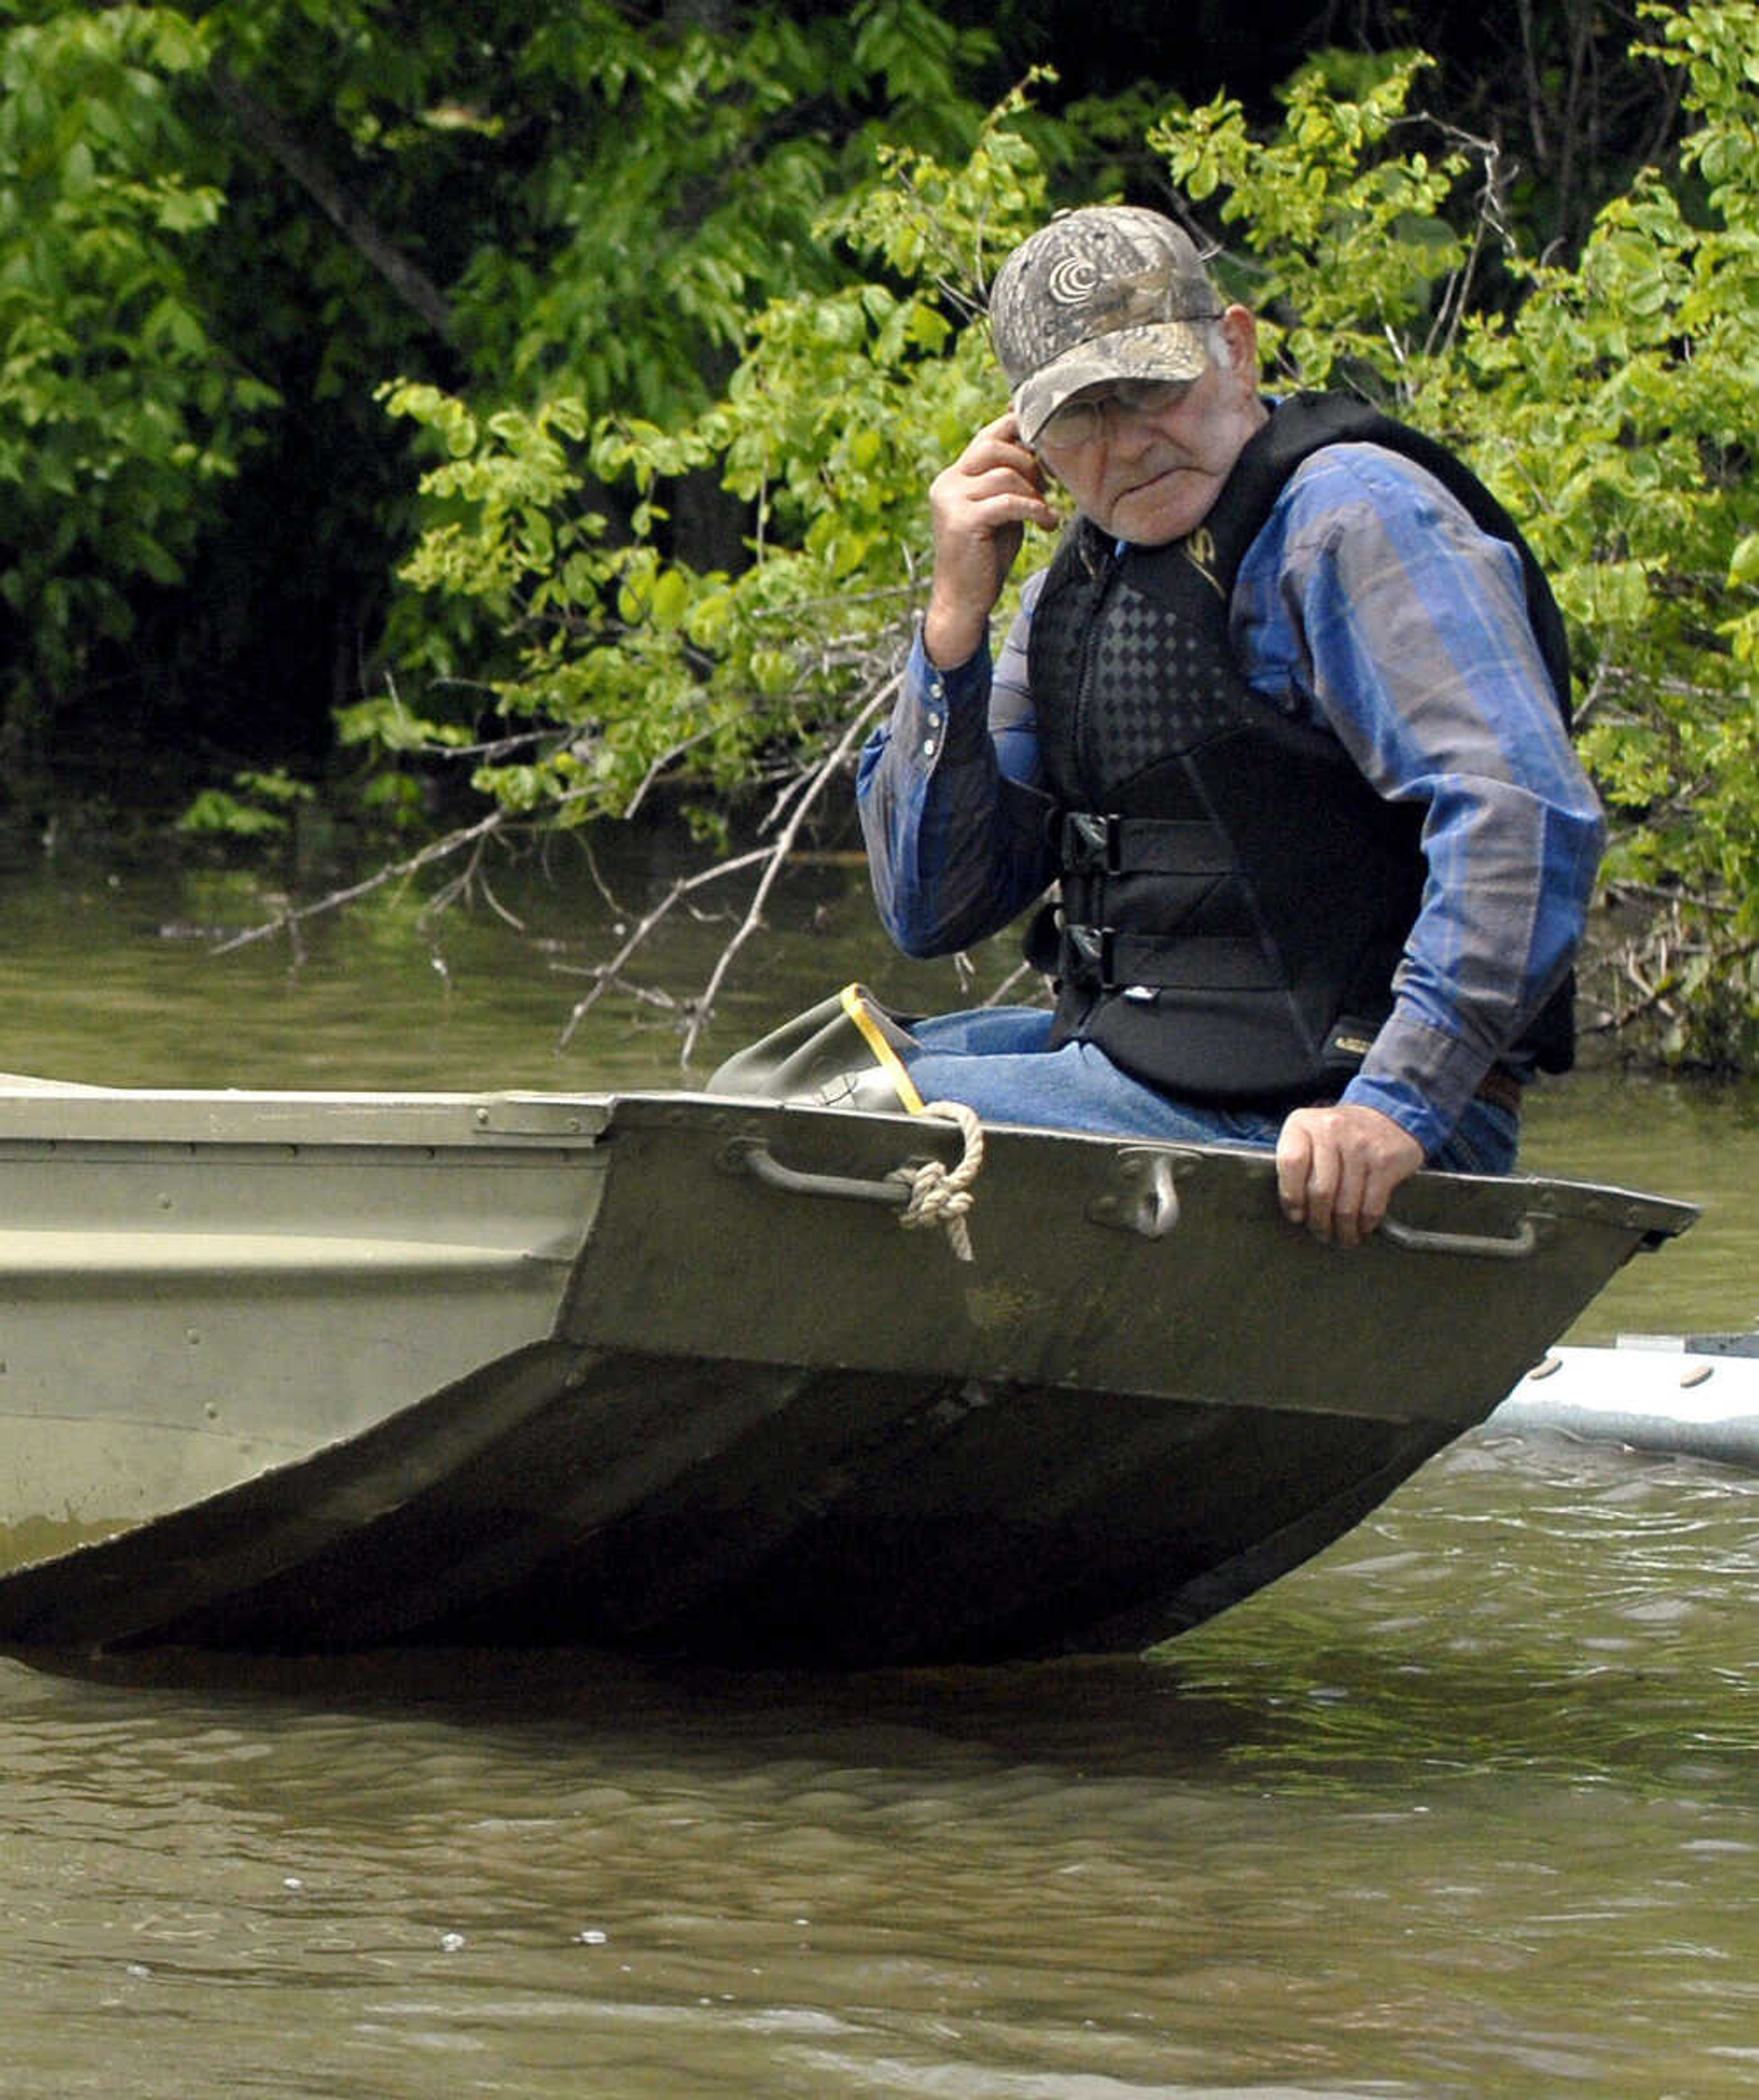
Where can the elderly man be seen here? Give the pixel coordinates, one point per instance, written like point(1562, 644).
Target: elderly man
point(1285, 718)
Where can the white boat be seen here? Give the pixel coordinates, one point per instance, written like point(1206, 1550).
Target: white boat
point(1688, 1396)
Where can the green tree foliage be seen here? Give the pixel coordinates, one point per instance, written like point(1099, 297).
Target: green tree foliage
point(841, 408)
point(1610, 403)
point(119, 410)
point(621, 665)
point(227, 221)
point(1619, 411)
point(223, 223)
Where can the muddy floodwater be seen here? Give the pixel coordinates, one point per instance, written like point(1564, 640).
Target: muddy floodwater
point(1466, 1808)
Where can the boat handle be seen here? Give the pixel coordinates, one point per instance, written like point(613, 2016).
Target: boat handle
point(751, 1155)
point(1517, 1248)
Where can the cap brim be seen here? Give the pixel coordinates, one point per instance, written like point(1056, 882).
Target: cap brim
point(1161, 349)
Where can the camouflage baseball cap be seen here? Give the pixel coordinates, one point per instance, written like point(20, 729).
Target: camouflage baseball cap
point(1108, 293)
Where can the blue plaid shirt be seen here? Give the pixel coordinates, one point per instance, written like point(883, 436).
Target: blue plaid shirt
point(1370, 605)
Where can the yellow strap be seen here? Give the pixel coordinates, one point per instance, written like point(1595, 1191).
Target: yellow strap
point(856, 1007)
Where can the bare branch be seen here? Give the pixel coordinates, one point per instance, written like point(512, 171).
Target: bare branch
point(803, 792)
point(657, 770)
point(829, 768)
point(437, 850)
point(606, 973)
point(266, 130)
point(1023, 972)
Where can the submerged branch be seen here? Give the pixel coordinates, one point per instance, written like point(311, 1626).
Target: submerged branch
point(609, 972)
point(438, 849)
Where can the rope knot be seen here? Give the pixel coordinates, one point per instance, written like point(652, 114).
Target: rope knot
point(941, 1195)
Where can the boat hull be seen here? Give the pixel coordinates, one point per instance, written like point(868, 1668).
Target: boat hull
point(661, 1372)
point(1684, 1396)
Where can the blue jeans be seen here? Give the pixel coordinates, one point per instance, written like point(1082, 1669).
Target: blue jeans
point(994, 1059)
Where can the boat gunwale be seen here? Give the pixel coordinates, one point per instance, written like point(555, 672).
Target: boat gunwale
point(339, 1120)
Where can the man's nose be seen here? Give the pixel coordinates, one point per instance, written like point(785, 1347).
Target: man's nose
point(1128, 430)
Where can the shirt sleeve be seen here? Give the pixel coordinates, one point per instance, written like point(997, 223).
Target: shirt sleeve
point(952, 809)
point(1371, 603)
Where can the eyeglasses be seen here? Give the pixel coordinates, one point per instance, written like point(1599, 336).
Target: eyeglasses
point(1079, 422)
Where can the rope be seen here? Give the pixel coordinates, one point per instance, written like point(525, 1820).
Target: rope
point(941, 1195)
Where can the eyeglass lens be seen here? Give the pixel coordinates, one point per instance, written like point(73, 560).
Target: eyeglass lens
point(1079, 422)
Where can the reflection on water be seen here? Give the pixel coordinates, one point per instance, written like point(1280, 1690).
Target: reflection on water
point(118, 978)
point(1468, 1808)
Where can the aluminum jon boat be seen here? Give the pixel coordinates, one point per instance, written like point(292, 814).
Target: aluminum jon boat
point(660, 1372)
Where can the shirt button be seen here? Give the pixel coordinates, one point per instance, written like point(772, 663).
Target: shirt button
point(928, 746)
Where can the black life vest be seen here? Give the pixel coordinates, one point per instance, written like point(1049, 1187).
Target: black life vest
point(1235, 896)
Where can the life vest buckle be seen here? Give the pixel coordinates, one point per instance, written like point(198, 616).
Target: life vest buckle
point(1092, 843)
point(1087, 956)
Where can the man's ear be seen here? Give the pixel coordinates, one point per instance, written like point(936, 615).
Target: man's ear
point(1239, 331)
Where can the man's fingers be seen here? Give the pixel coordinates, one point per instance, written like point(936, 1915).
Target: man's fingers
point(999, 447)
point(979, 508)
point(998, 498)
point(1294, 1160)
point(1336, 1169)
point(983, 477)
